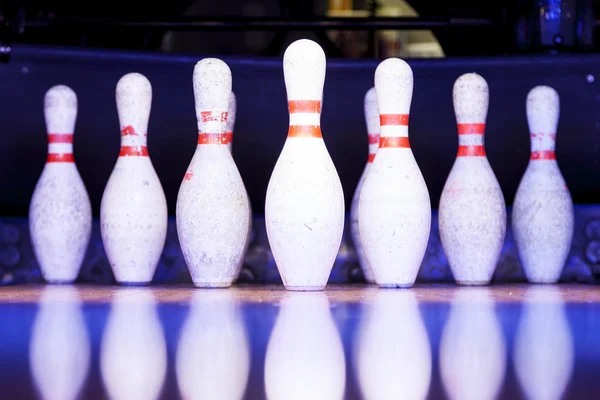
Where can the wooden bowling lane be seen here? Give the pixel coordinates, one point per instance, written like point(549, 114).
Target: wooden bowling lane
point(570, 293)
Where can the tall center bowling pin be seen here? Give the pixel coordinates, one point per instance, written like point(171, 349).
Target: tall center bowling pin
point(133, 212)
point(472, 212)
point(394, 210)
point(212, 204)
point(542, 217)
point(304, 208)
point(60, 213)
point(372, 119)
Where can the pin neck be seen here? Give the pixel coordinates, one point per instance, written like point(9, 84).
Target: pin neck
point(543, 146)
point(212, 128)
point(60, 148)
point(471, 140)
point(133, 143)
point(305, 118)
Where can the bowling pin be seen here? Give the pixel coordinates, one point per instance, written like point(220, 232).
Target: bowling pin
point(472, 212)
point(372, 119)
point(230, 125)
point(394, 209)
point(304, 208)
point(542, 217)
point(133, 211)
point(60, 213)
point(212, 204)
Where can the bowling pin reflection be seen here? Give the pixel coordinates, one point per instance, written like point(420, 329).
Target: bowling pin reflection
point(305, 357)
point(543, 355)
point(393, 355)
point(472, 347)
point(133, 353)
point(213, 356)
point(59, 352)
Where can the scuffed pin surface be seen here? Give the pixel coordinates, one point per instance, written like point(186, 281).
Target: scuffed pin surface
point(133, 211)
point(472, 212)
point(213, 212)
point(60, 212)
point(543, 217)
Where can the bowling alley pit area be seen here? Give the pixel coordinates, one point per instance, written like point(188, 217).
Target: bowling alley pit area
point(322, 199)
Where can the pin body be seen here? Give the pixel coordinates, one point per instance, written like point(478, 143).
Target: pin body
point(542, 217)
point(133, 211)
point(60, 213)
point(472, 212)
point(372, 119)
point(304, 208)
point(394, 210)
point(212, 204)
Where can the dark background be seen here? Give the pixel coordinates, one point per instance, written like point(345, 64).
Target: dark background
point(91, 60)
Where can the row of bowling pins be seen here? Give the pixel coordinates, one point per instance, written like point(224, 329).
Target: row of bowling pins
point(212, 203)
point(304, 209)
point(391, 354)
point(390, 208)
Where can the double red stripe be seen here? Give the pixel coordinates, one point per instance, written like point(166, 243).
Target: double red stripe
point(212, 138)
point(304, 106)
point(543, 155)
point(394, 142)
point(139, 151)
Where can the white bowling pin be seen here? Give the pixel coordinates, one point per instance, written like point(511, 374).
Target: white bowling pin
point(472, 212)
point(393, 352)
point(305, 358)
point(372, 119)
point(542, 217)
point(60, 213)
point(213, 354)
point(394, 210)
point(230, 125)
point(212, 204)
point(133, 351)
point(544, 351)
point(133, 212)
point(59, 352)
point(304, 207)
point(472, 347)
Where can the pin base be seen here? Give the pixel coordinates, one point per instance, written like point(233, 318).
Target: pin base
point(59, 281)
point(395, 285)
point(211, 285)
point(305, 288)
point(543, 282)
point(473, 283)
point(134, 283)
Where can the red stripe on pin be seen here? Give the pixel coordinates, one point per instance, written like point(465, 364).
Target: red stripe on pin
point(60, 157)
point(471, 129)
point(229, 137)
point(393, 119)
point(371, 158)
point(305, 131)
point(543, 155)
point(211, 116)
point(212, 138)
point(304, 106)
point(394, 141)
point(373, 138)
point(471, 151)
point(128, 131)
point(60, 138)
point(133, 151)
